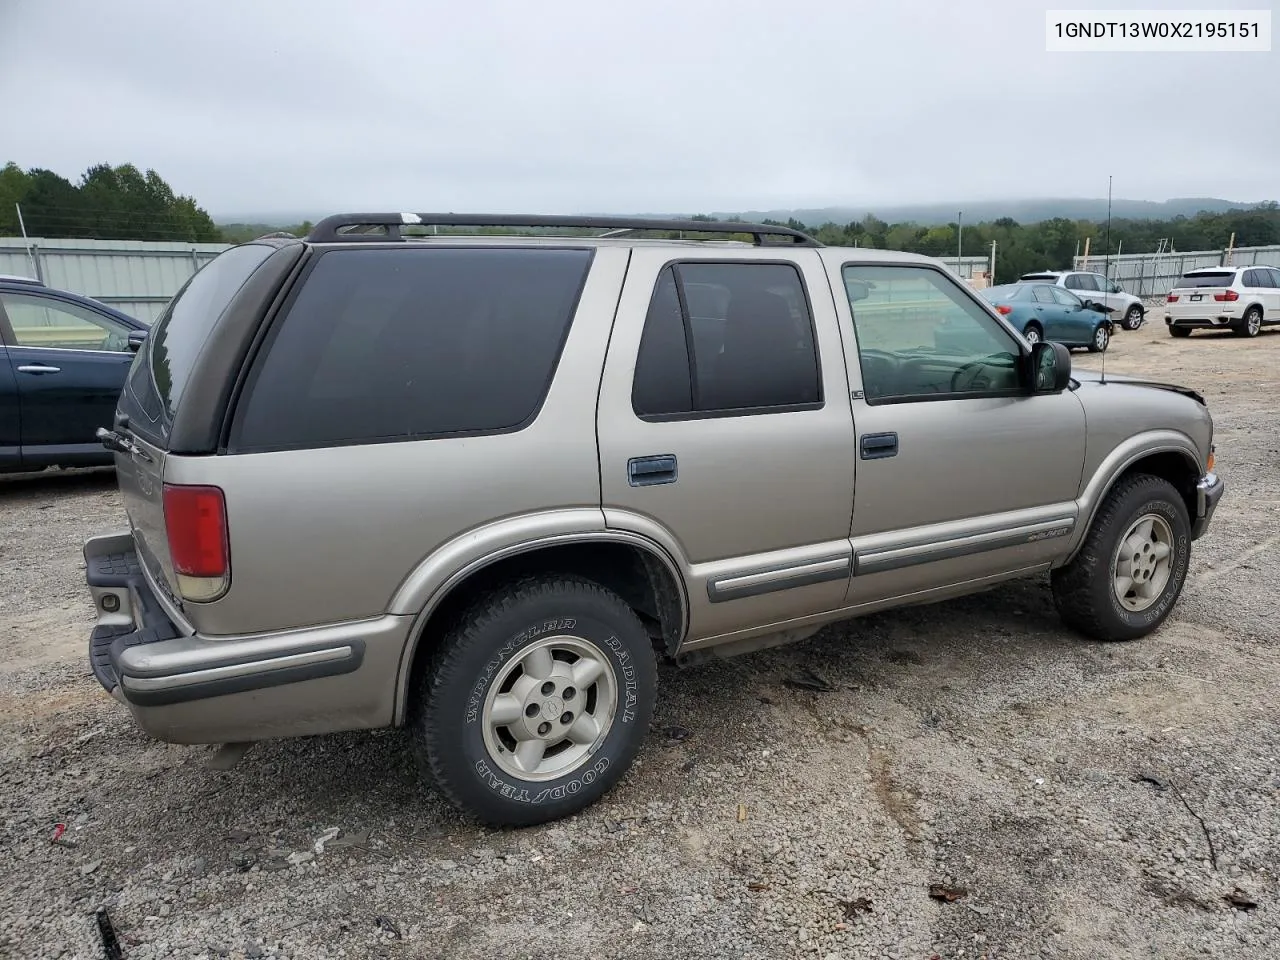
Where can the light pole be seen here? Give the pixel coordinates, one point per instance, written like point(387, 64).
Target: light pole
point(959, 240)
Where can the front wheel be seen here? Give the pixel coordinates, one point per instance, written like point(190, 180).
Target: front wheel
point(536, 702)
point(1132, 318)
point(1101, 339)
point(1129, 571)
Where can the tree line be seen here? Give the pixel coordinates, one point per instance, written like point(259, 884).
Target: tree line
point(1051, 244)
point(107, 203)
point(124, 203)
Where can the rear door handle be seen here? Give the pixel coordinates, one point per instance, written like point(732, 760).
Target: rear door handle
point(650, 471)
point(38, 368)
point(877, 446)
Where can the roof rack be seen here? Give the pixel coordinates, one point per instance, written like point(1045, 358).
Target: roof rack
point(386, 226)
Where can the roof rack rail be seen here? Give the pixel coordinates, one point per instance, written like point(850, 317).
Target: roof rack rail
point(386, 226)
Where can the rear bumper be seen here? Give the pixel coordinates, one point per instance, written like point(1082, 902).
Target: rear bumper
point(1218, 321)
point(1209, 492)
point(188, 688)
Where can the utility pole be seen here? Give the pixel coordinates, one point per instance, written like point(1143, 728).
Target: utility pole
point(992, 267)
point(26, 242)
point(959, 241)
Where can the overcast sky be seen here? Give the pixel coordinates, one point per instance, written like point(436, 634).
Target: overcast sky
point(563, 106)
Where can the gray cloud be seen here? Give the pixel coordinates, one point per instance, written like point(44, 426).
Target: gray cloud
point(571, 105)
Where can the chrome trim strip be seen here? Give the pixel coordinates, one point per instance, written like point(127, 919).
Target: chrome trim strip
point(251, 668)
point(895, 558)
point(739, 586)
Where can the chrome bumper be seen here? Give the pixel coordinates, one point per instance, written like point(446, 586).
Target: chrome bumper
point(1209, 490)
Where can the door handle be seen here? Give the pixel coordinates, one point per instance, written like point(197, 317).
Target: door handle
point(38, 368)
point(877, 446)
point(650, 471)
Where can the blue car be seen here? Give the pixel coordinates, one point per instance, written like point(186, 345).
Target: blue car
point(1043, 311)
point(63, 363)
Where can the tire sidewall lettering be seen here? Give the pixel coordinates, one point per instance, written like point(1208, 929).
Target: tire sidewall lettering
point(536, 793)
point(547, 628)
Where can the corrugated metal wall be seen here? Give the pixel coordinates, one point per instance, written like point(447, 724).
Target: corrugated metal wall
point(1154, 275)
point(136, 276)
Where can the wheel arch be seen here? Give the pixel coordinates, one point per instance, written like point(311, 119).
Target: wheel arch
point(1169, 455)
point(638, 570)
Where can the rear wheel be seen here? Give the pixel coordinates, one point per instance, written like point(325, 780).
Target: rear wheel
point(1033, 334)
point(1101, 339)
point(1129, 571)
point(1179, 331)
point(1132, 318)
point(536, 702)
point(1250, 323)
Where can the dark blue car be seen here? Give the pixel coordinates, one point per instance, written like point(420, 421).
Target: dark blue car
point(63, 362)
point(1042, 311)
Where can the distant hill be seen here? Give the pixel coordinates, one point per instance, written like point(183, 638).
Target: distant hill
point(1024, 211)
point(927, 214)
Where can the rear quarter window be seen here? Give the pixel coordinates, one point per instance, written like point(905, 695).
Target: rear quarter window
point(162, 368)
point(382, 345)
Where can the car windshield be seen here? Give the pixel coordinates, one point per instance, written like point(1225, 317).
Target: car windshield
point(1221, 278)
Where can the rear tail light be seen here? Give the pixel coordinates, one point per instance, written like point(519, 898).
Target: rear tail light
point(1226, 295)
point(1172, 298)
point(195, 520)
point(1004, 310)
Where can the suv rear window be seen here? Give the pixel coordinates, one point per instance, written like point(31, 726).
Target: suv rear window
point(1219, 279)
point(411, 344)
point(161, 369)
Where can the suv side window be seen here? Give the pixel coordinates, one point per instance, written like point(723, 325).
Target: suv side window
point(412, 344)
point(920, 337)
point(726, 337)
point(1250, 278)
point(1085, 281)
point(46, 322)
point(1072, 281)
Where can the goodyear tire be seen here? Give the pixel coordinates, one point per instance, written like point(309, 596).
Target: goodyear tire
point(536, 701)
point(1129, 572)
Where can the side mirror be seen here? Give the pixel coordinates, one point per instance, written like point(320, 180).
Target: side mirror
point(858, 290)
point(1050, 367)
point(136, 338)
point(1115, 288)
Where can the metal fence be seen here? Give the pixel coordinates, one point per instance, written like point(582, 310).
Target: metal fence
point(135, 276)
point(1155, 274)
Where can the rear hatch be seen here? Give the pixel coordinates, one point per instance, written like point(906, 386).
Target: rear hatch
point(154, 390)
point(1201, 295)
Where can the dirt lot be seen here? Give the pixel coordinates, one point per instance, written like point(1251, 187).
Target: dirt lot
point(974, 744)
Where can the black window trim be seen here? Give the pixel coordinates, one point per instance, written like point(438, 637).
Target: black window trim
point(988, 309)
point(273, 323)
point(674, 266)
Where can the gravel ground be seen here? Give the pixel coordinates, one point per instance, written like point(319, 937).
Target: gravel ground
point(1095, 801)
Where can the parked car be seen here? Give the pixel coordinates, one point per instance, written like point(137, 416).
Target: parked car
point(1095, 288)
point(472, 485)
point(1241, 299)
point(63, 361)
point(1041, 311)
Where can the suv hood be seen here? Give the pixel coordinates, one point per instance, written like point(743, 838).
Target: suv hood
point(1094, 379)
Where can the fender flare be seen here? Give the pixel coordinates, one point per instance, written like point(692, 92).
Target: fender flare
point(1120, 459)
point(448, 567)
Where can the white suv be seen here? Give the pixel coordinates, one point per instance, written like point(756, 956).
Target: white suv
point(1240, 299)
point(1097, 288)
